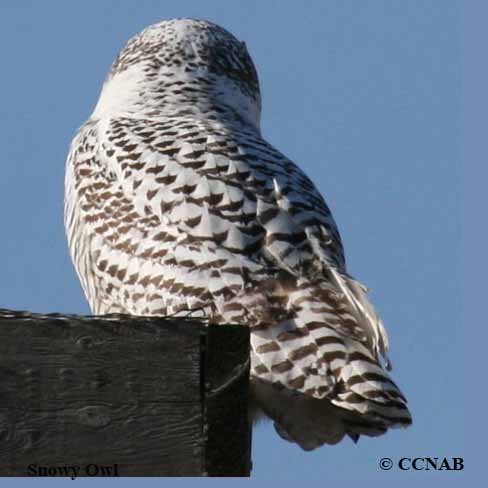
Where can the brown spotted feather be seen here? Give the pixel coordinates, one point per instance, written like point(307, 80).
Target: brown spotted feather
point(175, 204)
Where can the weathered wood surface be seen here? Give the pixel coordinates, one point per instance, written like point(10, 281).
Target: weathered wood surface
point(151, 396)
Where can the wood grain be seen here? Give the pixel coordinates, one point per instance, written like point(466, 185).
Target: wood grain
point(154, 396)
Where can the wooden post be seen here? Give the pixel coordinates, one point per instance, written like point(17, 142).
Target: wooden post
point(121, 395)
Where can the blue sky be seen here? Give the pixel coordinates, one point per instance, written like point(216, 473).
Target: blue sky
point(364, 96)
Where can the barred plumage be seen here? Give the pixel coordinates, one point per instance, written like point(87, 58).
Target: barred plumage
point(175, 203)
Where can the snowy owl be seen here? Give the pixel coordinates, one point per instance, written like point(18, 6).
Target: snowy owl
point(175, 204)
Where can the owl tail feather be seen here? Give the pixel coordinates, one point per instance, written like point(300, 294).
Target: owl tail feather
point(310, 422)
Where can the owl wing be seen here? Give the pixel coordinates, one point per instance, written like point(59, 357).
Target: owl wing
point(157, 197)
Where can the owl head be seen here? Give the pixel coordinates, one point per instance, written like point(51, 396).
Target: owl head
point(185, 63)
